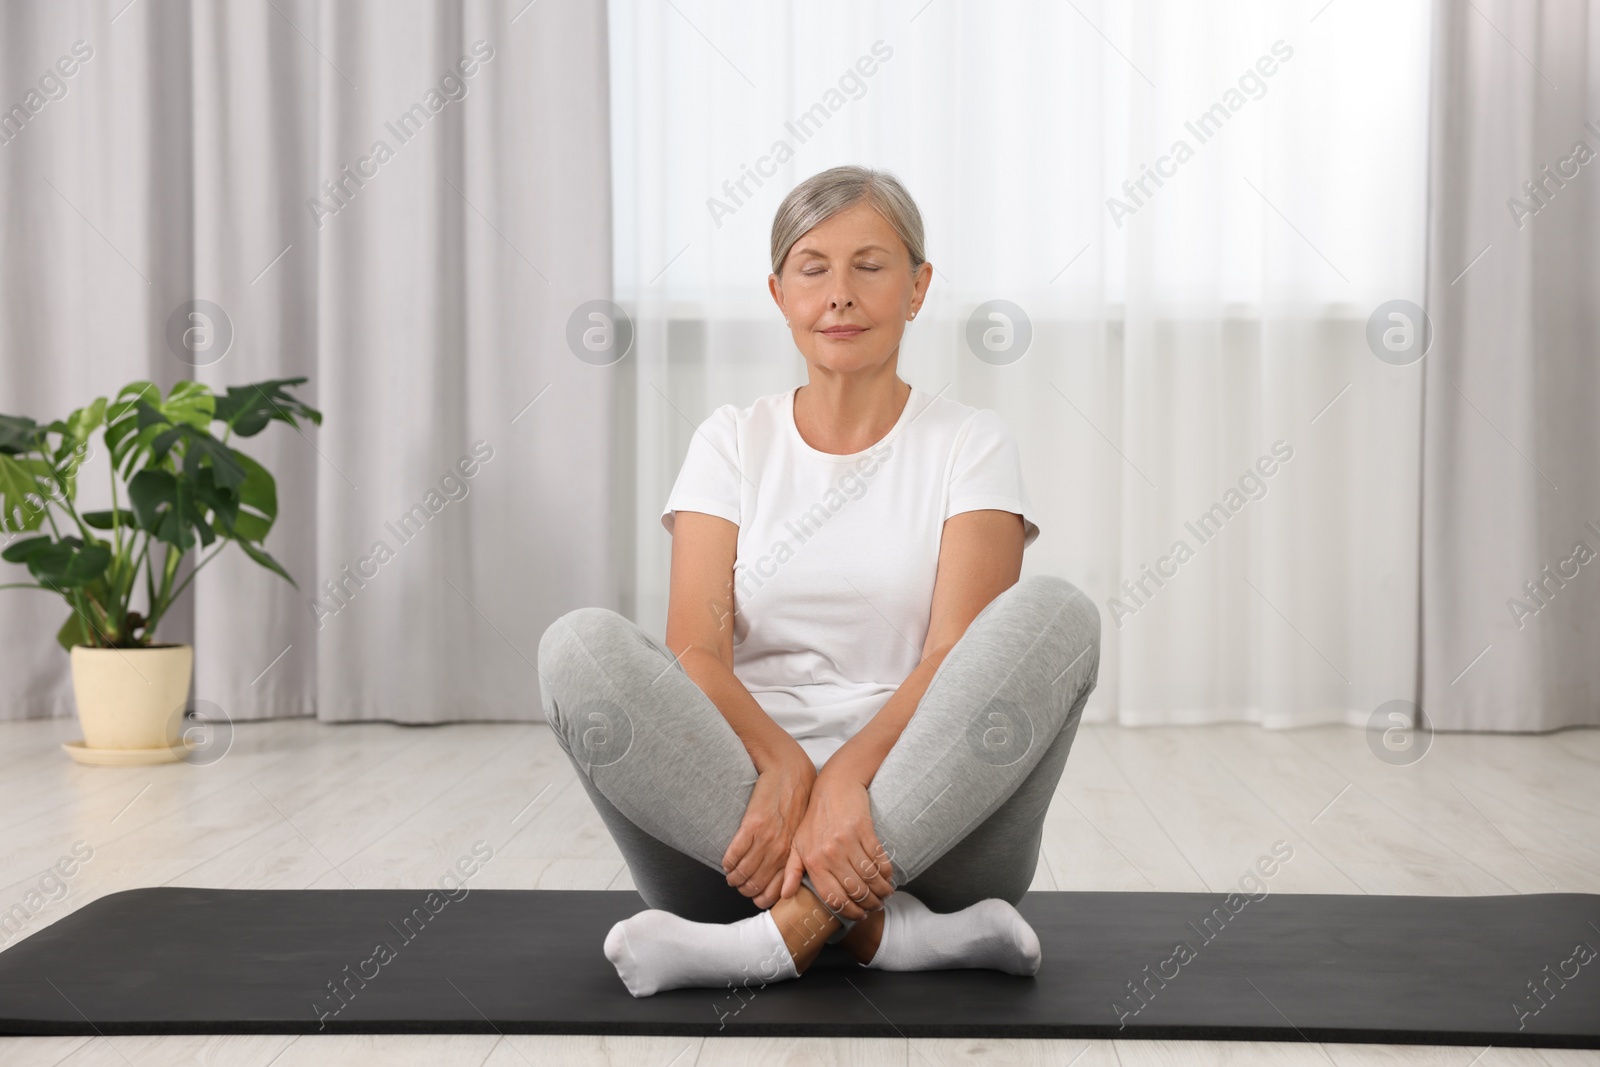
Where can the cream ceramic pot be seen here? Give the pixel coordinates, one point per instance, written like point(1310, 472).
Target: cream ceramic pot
point(132, 698)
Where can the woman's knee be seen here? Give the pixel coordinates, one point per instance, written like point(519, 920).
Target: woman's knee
point(569, 647)
point(1063, 596)
point(575, 632)
point(1076, 614)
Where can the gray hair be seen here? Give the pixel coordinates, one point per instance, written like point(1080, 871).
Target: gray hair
point(824, 195)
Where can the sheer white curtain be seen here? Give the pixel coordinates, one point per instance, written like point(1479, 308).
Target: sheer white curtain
point(426, 299)
point(1177, 338)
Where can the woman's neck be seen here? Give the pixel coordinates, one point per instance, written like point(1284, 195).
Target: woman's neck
point(844, 416)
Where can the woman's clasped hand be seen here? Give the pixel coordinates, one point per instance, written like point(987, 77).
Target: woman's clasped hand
point(838, 846)
point(756, 857)
point(801, 821)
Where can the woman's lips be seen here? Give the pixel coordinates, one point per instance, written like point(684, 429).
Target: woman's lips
point(843, 331)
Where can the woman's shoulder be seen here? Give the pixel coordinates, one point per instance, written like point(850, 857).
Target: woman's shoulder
point(953, 421)
point(762, 411)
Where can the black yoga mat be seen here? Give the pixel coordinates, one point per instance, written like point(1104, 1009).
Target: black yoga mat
point(1503, 970)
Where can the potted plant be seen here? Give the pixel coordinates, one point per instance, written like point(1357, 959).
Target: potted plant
point(184, 487)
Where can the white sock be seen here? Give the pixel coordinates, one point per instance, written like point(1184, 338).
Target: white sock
point(990, 934)
point(656, 950)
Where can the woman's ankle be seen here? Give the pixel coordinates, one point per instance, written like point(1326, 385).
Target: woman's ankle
point(805, 926)
point(864, 937)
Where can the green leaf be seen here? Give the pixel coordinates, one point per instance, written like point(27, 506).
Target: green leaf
point(224, 503)
point(258, 503)
point(129, 396)
point(87, 419)
point(127, 421)
point(150, 492)
point(190, 403)
point(261, 557)
point(246, 513)
point(75, 631)
point(203, 528)
point(148, 414)
point(122, 418)
point(106, 520)
point(153, 495)
point(19, 551)
point(162, 442)
point(139, 445)
point(68, 563)
point(22, 494)
point(74, 442)
point(247, 409)
point(200, 448)
point(75, 431)
point(19, 434)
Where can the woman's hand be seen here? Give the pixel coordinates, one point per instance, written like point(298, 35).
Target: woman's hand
point(838, 845)
point(756, 856)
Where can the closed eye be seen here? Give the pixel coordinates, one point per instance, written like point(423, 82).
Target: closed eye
point(810, 273)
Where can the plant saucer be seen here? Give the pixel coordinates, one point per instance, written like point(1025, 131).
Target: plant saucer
point(126, 757)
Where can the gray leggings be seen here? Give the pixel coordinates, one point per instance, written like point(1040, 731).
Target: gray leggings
point(958, 804)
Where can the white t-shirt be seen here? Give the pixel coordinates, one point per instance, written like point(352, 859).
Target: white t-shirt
point(837, 555)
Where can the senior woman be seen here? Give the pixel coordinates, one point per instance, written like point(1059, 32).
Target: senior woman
point(859, 716)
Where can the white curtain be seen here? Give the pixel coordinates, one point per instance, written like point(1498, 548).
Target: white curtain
point(1511, 515)
point(1182, 329)
point(426, 298)
point(1175, 338)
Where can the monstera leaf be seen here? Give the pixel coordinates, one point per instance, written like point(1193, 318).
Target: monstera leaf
point(248, 408)
point(74, 441)
point(18, 434)
point(67, 563)
point(22, 492)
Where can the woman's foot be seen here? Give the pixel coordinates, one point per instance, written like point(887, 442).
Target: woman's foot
point(656, 950)
point(989, 934)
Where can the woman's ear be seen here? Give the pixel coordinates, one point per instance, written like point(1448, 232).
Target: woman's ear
point(775, 287)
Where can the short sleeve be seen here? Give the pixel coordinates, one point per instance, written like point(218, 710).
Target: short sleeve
point(709, 479)
point(987, 473)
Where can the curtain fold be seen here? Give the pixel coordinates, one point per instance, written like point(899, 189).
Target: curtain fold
point(404, 202)
point(1511, 482)
point(1183, 327)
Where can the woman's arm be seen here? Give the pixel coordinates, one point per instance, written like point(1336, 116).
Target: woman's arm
point(700, 633)
point(980, 557)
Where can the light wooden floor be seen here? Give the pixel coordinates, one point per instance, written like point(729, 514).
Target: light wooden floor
point(295, 804)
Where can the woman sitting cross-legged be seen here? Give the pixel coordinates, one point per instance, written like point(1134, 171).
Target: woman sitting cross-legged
point(859, 716)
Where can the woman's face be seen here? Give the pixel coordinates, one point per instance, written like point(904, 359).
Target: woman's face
point(847, 290)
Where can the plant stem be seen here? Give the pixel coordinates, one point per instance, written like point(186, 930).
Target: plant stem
point(125, 593)
point(80, 603)
point(116, 526)
point(176, 593)
point(158, 607)
point(66, 500)
point(149, 582)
